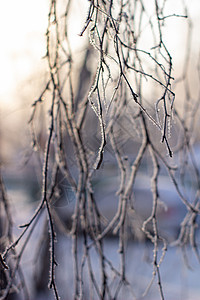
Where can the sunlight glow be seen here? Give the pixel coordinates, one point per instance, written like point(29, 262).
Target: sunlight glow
point(22, 26)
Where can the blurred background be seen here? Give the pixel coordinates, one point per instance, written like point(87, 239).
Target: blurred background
point(23, 75)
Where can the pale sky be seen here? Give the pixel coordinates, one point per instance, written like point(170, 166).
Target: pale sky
point(23, 25)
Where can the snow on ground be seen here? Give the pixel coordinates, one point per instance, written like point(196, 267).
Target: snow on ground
point(178, 280)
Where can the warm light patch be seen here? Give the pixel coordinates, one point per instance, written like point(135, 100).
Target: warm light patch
point(23, 25)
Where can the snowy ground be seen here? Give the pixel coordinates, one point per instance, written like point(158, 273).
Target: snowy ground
point(178, 280)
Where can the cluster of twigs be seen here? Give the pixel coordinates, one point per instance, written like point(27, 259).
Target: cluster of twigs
point(129, 82)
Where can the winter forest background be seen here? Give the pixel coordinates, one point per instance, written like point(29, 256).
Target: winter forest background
point(99, 149)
